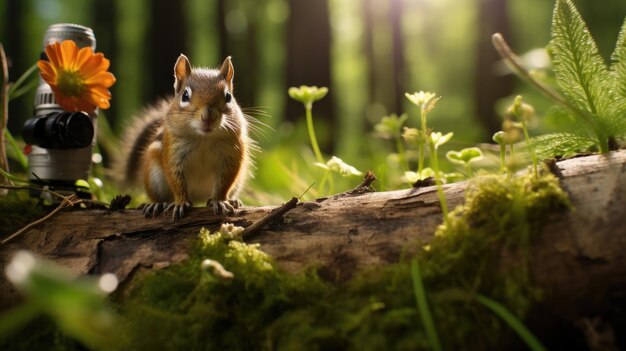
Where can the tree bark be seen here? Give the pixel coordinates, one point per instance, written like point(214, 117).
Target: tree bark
point(577, 258)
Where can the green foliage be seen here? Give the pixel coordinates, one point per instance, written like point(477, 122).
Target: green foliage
point(422, 305)
point(619, 58)
point(465, 157)
point(563, 144)
point(588, 84)
point(513, 322)
point(78, 307)
point(390, 127)
point(580, 70)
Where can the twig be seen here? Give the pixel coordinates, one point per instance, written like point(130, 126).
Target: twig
point(11, 187)
point(60, 196)
point(366, 184)
point(364, 187)
point(4, 110)
point(509, 57)
point(67, 202)
point(256, 227)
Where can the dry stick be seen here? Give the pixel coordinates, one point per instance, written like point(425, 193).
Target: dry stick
point(11, 187)
point(256, 227)
point(4, 109)
point(366, 184)
point(509, 57)
point(67, 202)
point(60, 196)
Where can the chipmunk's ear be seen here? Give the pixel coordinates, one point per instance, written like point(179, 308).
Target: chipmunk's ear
point(182, 71)
point(228, 71)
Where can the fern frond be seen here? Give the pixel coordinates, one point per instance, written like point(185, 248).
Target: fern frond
point(619, 62)
point(562, 144)
point(616, 122)
point(580, 70)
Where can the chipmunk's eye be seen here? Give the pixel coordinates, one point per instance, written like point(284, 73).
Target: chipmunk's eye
point(228, 97)
point(184, 99)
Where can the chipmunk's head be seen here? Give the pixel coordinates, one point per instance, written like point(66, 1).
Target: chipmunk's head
point(203, 97)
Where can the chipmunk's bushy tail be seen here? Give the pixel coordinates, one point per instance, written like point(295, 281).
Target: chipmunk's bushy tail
point(138, 135)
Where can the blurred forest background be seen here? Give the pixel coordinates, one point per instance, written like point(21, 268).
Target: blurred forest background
point(368, 52)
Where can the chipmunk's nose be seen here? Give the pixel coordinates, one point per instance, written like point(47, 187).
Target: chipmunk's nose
point(210, 114)
point(210, 118)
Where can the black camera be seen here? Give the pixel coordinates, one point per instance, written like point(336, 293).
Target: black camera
point(59, 130)
point(62, 141)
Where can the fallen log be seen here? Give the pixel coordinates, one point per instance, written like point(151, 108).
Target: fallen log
point(577, 260)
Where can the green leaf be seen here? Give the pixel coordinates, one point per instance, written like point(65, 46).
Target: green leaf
point(438, 139)
point(422, 306)
point(561, 144)
point(531, 341)
point(615, 122)
point(619, 62)
point(391, 126)
point(580, 71)
point(464, 156)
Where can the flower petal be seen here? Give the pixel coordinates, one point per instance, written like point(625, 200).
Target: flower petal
point(69, 50)
point(94, 65)
point(84, 54)
point(105, 79)
point(52, 52)
point(48, 73)
point(100, 97)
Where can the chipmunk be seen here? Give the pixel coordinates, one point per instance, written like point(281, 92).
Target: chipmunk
point(192, 147)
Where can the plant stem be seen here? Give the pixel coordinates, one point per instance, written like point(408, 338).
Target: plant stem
point(17, 152)
point(531, 149)
point(512, 321)
point(4, 113)
point(442, 196)
point(402, 155)
point(502, 157)
point(425, 137)
point(468, 170)
point(309, 123)
point(12, 177)
point(422, 306)
point(320, 189)
point(420, 165)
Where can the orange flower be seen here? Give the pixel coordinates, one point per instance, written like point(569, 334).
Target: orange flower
point(78, 77)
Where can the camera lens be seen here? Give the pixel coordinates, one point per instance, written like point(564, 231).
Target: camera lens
point(59, 130)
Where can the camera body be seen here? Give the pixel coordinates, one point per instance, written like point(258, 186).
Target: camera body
point(62, 141)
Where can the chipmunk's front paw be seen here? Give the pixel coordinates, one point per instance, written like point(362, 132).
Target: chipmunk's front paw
point(224, 207)
point(236, 203)
point(152, 209)
point(179, 210)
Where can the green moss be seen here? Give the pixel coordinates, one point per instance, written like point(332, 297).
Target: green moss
point(17, 210)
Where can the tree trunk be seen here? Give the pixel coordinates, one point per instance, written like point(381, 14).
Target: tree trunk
point(577, 260)
point(308, 61)
point(167, 40)
point(489, 88)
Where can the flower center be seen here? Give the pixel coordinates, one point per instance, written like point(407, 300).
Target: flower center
point(71, 83)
